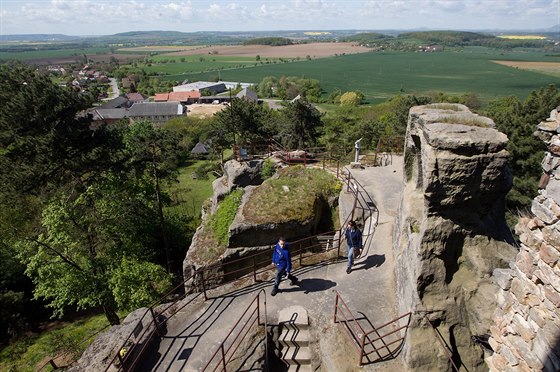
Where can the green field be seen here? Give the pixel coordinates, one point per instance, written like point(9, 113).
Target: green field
point(380, 75)
point(55, 53)
point(196, 64)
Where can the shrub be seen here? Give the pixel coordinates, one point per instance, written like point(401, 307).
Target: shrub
point(268, 169)
point(222, 219)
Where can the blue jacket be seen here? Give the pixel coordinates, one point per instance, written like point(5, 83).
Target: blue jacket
point(354, 237)
point(282, 257)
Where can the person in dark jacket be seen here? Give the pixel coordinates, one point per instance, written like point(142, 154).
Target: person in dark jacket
point(282, 258)
point(354, 240)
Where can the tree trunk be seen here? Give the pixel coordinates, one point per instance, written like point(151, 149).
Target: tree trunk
point(160, 213)
point(111, 315)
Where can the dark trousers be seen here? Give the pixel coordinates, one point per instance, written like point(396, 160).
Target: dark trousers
point(279, 275)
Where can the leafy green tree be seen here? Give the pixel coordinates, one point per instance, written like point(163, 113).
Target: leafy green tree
point(518, 120)
point(301, 124)
point(43, 140)
point(354, 98)
point(86, 234)
point(155, 154)
point(241, 122)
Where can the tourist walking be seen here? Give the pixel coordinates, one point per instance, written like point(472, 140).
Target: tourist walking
point(282, 258)
point(354, 241)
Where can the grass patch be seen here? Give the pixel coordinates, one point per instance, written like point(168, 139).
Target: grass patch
point(220, 221)
point(214, 235)
point(32, 352)
point(465, 120)
point(291, 196)
point(189, 194)
point(444, 106)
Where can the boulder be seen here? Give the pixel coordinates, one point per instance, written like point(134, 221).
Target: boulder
point(245, 173)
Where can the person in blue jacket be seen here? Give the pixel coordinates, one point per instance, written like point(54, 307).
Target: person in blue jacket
point(282, 258)
point(354, 240)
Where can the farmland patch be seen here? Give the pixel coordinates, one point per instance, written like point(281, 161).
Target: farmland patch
point(313, 50)
point(551, 68)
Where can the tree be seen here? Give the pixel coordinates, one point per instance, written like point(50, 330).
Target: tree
point(242, 121)
point(90, 237)
point(518, 120)
point(154, 153)
point(44, 141)
point(301, 124)
point(354, 98)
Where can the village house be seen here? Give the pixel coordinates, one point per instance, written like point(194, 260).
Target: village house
point(156, 112)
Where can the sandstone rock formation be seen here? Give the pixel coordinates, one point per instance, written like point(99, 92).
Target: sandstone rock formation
point(526, 324)
point(236, 174)
point(450, 233)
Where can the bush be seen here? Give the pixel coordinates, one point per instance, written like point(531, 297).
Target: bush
point(268, 169)
point(222, 219)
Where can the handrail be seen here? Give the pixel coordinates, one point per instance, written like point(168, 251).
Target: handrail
point(443, 344)
point(132, 340)
point(254, 317)
point(256, 265)
point(357, 334)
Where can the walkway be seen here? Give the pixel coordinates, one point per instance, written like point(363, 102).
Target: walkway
point(195, 333)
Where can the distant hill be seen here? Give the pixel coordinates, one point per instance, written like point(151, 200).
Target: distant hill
point(365, 37)
point(37, 38)
point(150, 34)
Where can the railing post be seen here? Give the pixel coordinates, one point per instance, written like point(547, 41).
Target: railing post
point(203, 284)
point(53, 364)
point(362, 346)
point(339, 241)
point(155, 320)
point(335, 306)
point(300, 253)
point(259, 310)
point(254, 269)
point(223, 357)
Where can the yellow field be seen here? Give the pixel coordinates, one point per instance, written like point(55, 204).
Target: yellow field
point(522, 37)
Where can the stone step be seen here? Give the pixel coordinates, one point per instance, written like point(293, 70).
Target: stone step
point(294, 337)
point(300, 368)
point(293, 315)
point(296, 355)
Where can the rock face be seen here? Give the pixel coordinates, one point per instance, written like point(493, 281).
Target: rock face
point(450, 233)
point(245, 234)
point(526, 325)
point(99, 354)
point(236, 174)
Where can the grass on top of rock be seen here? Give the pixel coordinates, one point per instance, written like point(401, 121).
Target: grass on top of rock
point(291, 196)
point(472, 121)
point(213, 238)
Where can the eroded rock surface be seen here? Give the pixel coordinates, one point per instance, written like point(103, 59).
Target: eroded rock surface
point(450, 233)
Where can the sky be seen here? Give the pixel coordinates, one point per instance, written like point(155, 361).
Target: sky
point(103, 17)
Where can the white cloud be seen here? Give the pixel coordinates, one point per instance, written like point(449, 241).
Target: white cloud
point(108, 16)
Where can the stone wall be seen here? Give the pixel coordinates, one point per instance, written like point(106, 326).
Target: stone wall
point(526, 331)
point(450, 233)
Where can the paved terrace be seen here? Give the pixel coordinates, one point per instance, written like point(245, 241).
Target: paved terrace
point(196, 332)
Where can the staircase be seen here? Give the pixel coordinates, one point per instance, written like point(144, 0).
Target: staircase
point(294, 339)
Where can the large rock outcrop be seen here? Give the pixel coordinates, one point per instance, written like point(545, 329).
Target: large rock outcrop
point(526, 324)
point(450, 233)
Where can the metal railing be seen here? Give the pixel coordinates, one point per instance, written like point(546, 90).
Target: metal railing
point(149, 325)
point(213, 276)
point(227, 348)
point(384, 345)
point(442, 342)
